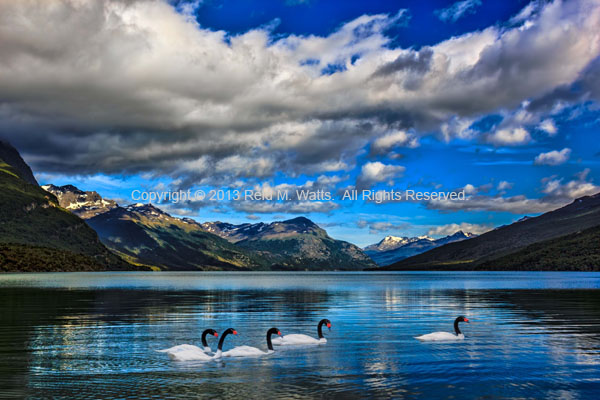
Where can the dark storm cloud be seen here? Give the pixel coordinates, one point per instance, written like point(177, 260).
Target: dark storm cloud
point(412, 61)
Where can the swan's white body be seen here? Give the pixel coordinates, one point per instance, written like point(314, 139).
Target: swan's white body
point(297, 339)
point(440, 337)
point(187, 352)
point(243, 351)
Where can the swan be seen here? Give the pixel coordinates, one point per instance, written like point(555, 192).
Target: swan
point(300, 339)
point(445, 336)
point(249, 351)
point(219, 352)
point(188, 352)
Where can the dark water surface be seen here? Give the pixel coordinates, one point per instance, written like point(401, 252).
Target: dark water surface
point(93, 335)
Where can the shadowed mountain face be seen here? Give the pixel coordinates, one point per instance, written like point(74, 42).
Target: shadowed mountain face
point(11, 156)
point(146, 235)
point(575, 252)
point(492, 249)
point(294, 244)
point(36, 234)
point(391, 249)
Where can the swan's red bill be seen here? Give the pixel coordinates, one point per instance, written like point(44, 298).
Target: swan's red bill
point(216, 334)
point(466, 319)
point(279, 333)
point(235, 332)
point(329, 325)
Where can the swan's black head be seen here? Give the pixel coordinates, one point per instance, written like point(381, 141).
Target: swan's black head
point(230, 330)
point(325, 322)
point(210, 332)
point(273, 331)
point(456, 321)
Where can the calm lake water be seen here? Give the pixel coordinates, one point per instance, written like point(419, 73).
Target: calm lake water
point(93, 335)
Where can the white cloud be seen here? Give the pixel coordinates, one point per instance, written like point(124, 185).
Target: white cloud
point(374, 172)
point(573, 189)
point(399, 138)
point(301, 207)
point(377, 227)
point(457, 10)
point(504, 185)
point(553, 157)
point(555, 194)
point(450, 229)
point(548, 126)
point(470, 189)
point(458, 128)
point(510, 137)
point(527, 12)
point(245, 166)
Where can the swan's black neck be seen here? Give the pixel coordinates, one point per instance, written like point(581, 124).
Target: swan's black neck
point(272, 331)
point(204, 343)
point(220, 346)
point(456, 329)
point(320, 328)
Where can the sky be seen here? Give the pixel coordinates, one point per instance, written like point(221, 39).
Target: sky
point(496, 99)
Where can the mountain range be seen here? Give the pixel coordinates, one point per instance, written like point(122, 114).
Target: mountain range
point(145, 235)
point(62, 228)
point(562, 239)
point(392, 249)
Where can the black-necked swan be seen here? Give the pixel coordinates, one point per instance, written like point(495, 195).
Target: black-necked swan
point(189, 352)
point(444, 336)
point(249, 351)
point(220, 346)
point(300, 339)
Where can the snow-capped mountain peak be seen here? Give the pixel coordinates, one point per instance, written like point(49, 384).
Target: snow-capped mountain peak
point(84, 204)
point(393, 242)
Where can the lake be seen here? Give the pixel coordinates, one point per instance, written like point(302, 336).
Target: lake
point(94, 335)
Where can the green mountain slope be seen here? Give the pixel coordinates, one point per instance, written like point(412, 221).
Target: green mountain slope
point(35, 231)
point(575, 252)
point(144, 234)
point(11, 156)
point(581, 214)
point(301, 244)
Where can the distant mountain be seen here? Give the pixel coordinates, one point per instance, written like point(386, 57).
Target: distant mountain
point(455, 237)
point(84, 204)
point(144, 234)
point(294, 244)
point(408, 247)
point(393, 242)
point(36, 234)
point(487, 251)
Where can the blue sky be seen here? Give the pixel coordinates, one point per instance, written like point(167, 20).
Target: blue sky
point(499, 99)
